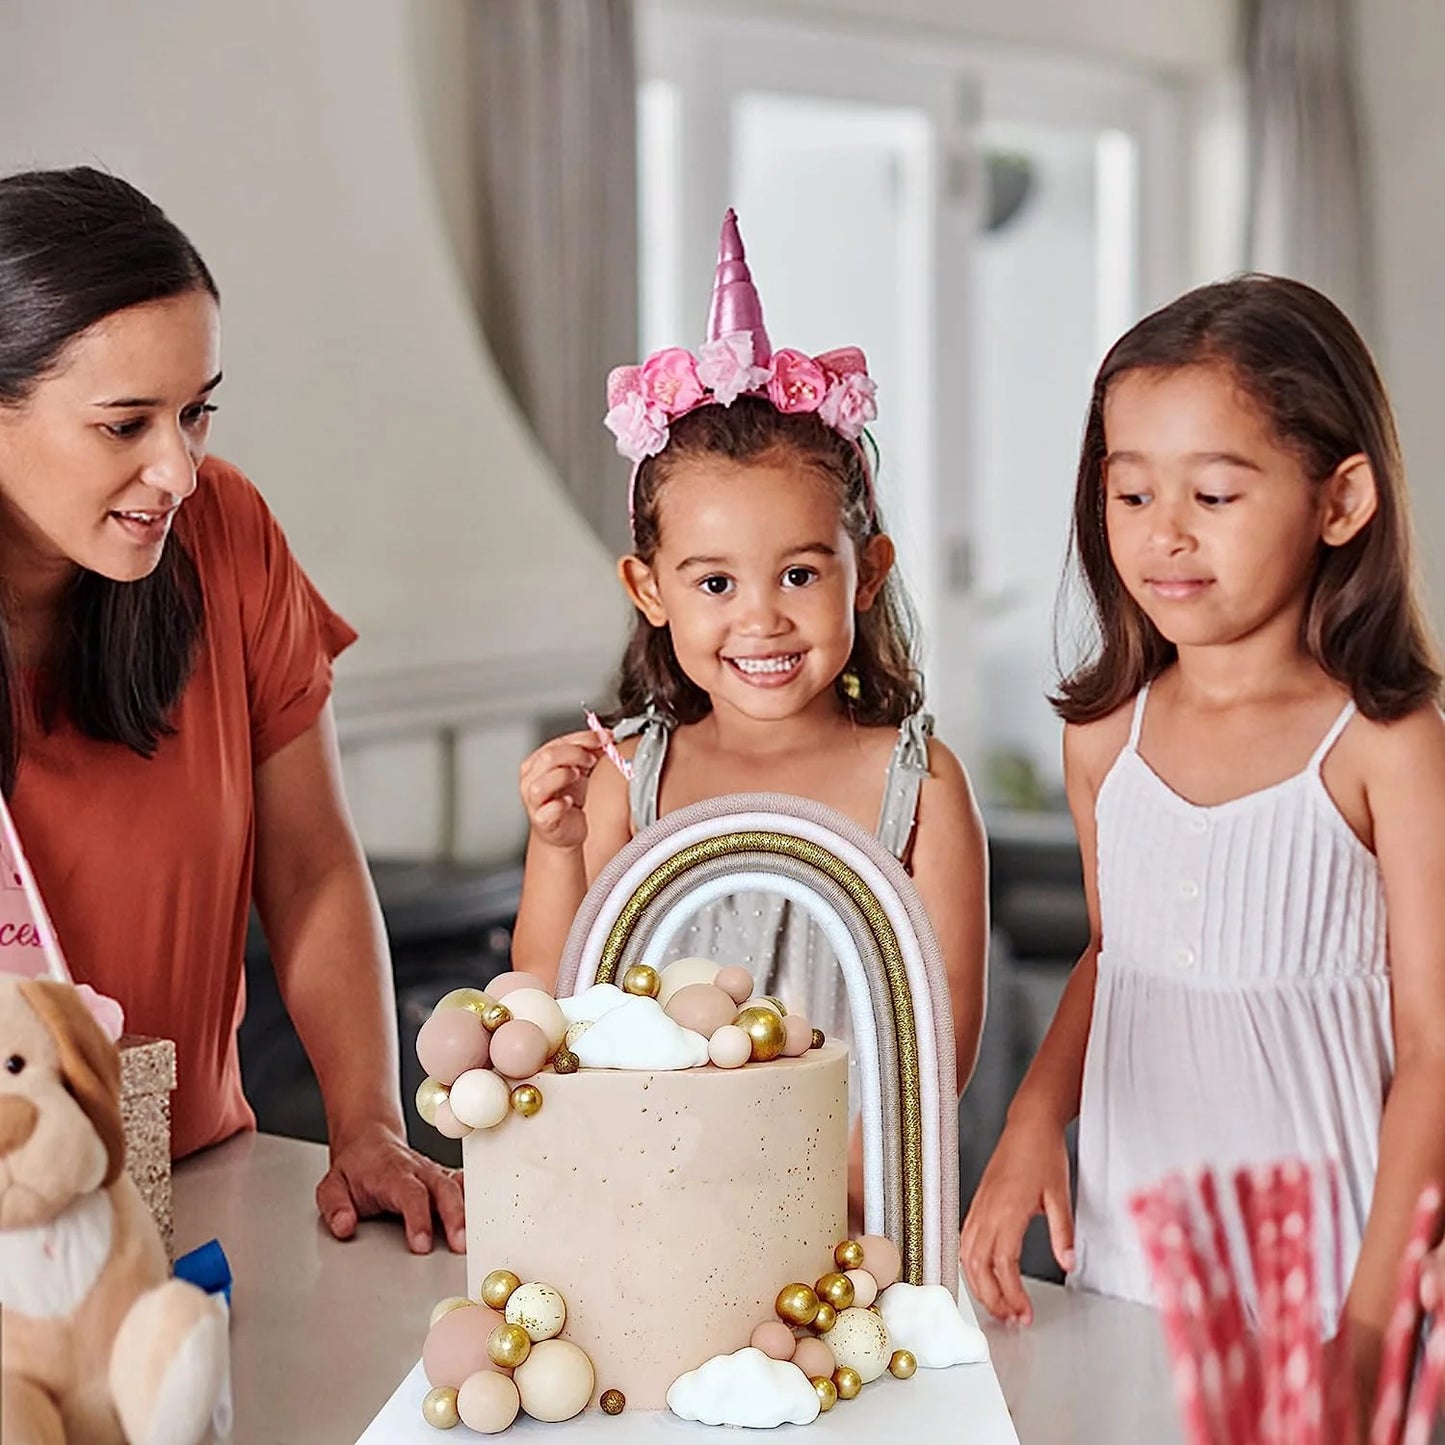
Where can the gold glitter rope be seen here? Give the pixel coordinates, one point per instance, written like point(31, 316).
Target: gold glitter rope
point(909, 1088)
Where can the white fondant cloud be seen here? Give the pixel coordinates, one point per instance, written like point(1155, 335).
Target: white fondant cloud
point(745, 1388)
point(589, 1005)
point(636, 1034)
point(924, 1320)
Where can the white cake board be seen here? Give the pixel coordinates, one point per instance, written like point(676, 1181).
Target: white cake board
point(964, 1402)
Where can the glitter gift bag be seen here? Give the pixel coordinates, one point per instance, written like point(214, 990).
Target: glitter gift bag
point(1279, 1383)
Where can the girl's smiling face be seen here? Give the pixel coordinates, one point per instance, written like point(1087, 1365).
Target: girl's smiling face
point(98, 457)
point(1213, 524)
point(758, 581)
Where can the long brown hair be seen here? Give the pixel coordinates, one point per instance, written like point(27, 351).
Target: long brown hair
point(1297, 355)
point(77, 246)
point(750, 430)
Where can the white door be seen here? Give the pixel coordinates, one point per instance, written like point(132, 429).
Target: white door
point(867, 174)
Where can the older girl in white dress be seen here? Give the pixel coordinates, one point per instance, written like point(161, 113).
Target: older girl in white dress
point(1255, 761)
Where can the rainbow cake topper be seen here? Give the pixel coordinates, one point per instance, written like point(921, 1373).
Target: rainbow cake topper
point(864, 901)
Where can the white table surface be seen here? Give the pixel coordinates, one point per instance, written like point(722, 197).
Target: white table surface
point(324, 1333)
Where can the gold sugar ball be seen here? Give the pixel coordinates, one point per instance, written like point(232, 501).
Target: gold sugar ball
point(903, 1365)
point(446, 1306)
point(765, 1029)
point(494, 1016)
point(818, 1040)
point(771, 1000)
point(836, 1288)
point(847, 1381)
point(468, 998)
point(641, 979)
point(825, 1319)
point(796, 1304)
point(526, 1099)
point(849, 1255)
point(497, 1288)
point(508, 1346)
point(613, 1402)
point(430, 1092)
point(827, 1393)
point(564, 1061)
point(439, 1408)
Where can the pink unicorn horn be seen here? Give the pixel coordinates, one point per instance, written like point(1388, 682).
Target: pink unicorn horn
point(735, 304)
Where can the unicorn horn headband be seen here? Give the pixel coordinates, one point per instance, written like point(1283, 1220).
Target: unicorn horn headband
point(736, 359)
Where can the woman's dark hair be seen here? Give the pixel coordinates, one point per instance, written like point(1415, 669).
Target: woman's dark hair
point(1298, 357)
point(753, 430)
point(75, 247)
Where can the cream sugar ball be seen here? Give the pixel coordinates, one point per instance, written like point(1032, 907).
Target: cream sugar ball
point(488, 1402)
point(506, 983)
point(480, 1099)
point(859, 1339)
point(730, 1047)
point(683, 972)
point(539, 1309)
point(865, 1287)
point(541, 1009)
point(555, 1381)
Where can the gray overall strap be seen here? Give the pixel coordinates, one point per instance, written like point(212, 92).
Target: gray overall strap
point(907, 769)
point(652, 731)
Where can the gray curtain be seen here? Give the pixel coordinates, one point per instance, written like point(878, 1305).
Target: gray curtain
point(1307, 213)
point(558, 290)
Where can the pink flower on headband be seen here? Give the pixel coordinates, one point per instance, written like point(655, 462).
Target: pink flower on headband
point(671, 381)
point(640, 428)
point(849, 406)
point(798, 384)
point(725, 367)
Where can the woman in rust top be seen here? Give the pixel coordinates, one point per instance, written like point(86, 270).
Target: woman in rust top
point(166, 736)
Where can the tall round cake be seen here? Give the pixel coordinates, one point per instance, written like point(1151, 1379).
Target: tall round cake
point(668, 1207)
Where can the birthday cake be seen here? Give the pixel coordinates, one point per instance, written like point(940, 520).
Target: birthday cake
point(655, 1167)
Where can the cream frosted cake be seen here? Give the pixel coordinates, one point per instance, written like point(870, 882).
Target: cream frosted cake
point(655, 1172)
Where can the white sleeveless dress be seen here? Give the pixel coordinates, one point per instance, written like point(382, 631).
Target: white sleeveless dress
point(1242, 1010)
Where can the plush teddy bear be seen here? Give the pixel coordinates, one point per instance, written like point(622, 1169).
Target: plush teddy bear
point(99, 1344)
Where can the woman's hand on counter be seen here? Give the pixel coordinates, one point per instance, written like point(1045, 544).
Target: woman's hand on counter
point(374, 1172)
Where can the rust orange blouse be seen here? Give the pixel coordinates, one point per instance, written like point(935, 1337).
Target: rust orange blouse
point(146, 864)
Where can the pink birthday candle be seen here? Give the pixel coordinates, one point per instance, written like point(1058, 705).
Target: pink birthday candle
point(608, 746)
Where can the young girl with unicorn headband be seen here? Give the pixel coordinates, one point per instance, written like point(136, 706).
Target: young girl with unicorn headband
point(1255, 759)
point(771, 651)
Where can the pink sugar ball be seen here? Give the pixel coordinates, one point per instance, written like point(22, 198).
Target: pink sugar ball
point(519, 1049)
point(799, 1036)
point(881, 1259)
point(774, 1339)
point(736, 982)
point(446, 1123)
point(814, 1358)
point(456, 1346)
point(702, 1007)
point(450, 1042)
point(865, 1287)
point(504, 983)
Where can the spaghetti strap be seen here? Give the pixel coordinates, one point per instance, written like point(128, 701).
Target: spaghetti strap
point(652, 731)
point(907, 769)
point(1331, 737)
point(1137, 725)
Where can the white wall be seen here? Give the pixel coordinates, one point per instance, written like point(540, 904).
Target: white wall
point(285, 137)
point(1188, 36)
point(1401, 59)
